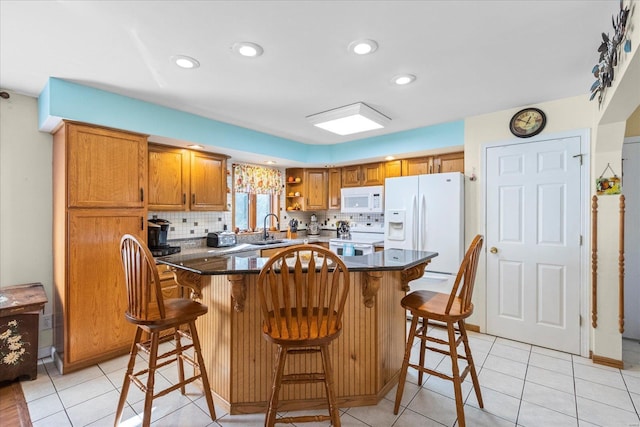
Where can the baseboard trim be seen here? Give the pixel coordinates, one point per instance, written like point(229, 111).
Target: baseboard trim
point(607, 361)
point(44, 352)
point(472, 328)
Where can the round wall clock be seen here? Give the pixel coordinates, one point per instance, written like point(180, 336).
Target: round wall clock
point(527, 123)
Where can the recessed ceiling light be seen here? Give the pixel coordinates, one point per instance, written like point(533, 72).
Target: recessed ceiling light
point(363, 47)
point(389, 158)
point(196, 146)
point(187, 62)
point(349, 119)
point(403, 79)
point(247, 49)
point(270, 162)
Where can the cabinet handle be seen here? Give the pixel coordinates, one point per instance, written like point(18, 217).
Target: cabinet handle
point(184, 198)
point(430, 169)
point(193, 199)
point(438, 168)
point(141, 223)
point(142, 194)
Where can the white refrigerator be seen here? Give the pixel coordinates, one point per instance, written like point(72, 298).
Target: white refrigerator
point(426, 213)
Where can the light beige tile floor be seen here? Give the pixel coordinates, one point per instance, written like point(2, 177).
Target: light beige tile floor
point(522, 385)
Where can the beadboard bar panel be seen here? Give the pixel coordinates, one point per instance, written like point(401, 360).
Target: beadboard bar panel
point(366, 358)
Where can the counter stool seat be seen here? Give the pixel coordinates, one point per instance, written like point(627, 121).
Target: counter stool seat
point(303, 290)
point(152, 314)
point(452, 310)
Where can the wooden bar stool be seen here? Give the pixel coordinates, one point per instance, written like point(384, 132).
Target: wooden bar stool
point(303, 290)
point(152, 314)
point(450, 309)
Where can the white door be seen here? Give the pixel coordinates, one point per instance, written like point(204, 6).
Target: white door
point(533, 242)
point(631, 191)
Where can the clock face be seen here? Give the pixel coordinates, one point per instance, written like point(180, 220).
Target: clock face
point(527, 122)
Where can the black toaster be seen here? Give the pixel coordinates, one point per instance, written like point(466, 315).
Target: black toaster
point(221, 239)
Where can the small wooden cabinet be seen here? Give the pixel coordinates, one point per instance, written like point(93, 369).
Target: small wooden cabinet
point(106, 168)
point(168, 178)
point(417, 166)
point(208, 182)
point(335, 184)
point(362, 175)
point(182, 180)
point(451, 162)
point(315, 189)
point(393, 169)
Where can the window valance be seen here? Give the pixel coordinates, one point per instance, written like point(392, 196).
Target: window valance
point(256, 179)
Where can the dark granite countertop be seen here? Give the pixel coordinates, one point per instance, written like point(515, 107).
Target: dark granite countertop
point(247, 260)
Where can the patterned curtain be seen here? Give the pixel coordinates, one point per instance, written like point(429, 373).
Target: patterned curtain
point(257, 179)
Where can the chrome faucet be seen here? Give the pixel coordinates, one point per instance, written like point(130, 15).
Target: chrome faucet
point(265, 234)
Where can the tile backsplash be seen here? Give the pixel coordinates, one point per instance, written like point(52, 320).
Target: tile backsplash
point(186, 225)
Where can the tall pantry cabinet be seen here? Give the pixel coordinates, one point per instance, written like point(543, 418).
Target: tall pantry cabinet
point(99, 180)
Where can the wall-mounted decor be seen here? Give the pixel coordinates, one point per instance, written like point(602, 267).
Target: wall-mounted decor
point(608, 185)
point(603, 71)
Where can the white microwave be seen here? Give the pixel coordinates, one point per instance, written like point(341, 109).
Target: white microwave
point(362, 199)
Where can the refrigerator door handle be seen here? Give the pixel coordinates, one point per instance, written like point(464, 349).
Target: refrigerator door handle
point(425, 226)
point(416, 223)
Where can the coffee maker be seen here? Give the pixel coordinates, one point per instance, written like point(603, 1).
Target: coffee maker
point(157, 237)
point(314, 228)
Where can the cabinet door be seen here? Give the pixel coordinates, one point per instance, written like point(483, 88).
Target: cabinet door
point(96, 297)
point(372, 174)
point(105, 168)
point(351, 176)
point(452, 162)
point(417, 166)
point(168, 178)
point(208, 182)
point(393, 168)
point(335, 179)
point(316, 189)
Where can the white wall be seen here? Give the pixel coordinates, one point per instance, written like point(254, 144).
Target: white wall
point(26, 253)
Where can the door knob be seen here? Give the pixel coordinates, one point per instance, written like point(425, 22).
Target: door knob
point(493, 250)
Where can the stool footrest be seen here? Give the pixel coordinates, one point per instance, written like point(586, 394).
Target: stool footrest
point(304, 419)
point(312, 377)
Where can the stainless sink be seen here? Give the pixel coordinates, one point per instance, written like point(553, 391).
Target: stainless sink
point(267, 242)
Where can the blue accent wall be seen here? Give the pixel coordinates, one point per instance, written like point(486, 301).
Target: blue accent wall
point(61, 99)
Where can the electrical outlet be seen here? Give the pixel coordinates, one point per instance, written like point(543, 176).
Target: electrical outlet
point(46, 322)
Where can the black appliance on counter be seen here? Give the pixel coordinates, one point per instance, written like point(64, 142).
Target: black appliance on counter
point(342, 230)
point(220, 239)
point(157, 238)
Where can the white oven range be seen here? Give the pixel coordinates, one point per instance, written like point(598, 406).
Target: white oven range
point(362, 239)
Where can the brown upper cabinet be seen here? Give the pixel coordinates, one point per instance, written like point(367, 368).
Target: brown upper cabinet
point(315, 188)
point(181, 179)
point(393, 168)
point(451, 162)
point(335, 183)
point(361, 175)
point(106, 168)
point(417, 166)
point(306, 189)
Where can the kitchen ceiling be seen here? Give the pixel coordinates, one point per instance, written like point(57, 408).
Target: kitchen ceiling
point(470, 57)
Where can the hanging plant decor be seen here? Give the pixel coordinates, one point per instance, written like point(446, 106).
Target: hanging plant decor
point(609, 49)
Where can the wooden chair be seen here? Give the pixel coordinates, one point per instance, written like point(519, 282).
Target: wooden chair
point(303, 290)
point(450, 309)
point(150, 313)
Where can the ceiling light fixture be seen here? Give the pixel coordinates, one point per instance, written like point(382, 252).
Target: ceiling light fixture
point(270, 162)
point(187, 62)
point(195, 146)
point(389, 158)
point(247, 49)
point(363, 47)
point(350, 119)
point(403, 79)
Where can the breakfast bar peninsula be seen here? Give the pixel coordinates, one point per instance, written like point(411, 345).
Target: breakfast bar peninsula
point(366, 358)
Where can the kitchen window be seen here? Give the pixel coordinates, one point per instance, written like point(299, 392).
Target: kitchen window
point(256, 194)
